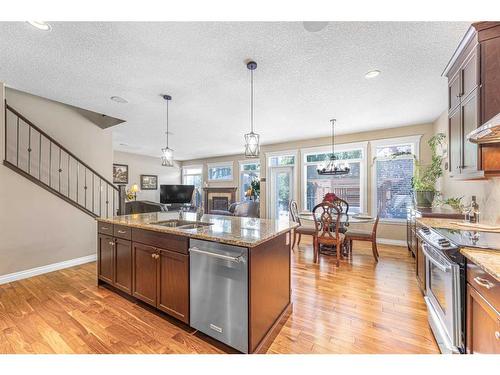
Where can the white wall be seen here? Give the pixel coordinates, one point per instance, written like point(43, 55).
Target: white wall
point(141, 164)
point(36, 227)
point(487, 191)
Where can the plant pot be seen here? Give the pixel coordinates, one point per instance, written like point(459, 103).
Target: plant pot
point(423, 199)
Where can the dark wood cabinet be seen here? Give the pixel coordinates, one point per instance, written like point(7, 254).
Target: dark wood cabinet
point(455, 141)
point(123, 265)
point(106, 258)
point(474, 98)
point(144, 286)
point(470, 121)
point(483, 316)
point(173, 284)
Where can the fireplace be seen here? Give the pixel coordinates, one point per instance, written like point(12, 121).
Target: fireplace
point(219, 198)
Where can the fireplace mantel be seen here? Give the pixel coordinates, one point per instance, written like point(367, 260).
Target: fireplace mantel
point(229, 193)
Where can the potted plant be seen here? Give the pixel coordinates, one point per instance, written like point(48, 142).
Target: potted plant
point(425, 177)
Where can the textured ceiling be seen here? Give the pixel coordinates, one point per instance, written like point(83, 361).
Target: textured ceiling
point(303, 79)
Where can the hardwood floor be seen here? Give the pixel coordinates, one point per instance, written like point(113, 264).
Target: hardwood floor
point(360, 307)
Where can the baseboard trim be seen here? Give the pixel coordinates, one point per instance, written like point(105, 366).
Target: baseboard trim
point(10, 277)
point(388, 241)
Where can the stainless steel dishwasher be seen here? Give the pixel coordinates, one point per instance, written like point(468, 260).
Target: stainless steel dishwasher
point(219, 292)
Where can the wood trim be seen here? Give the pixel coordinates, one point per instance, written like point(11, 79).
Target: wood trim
point(48, 188)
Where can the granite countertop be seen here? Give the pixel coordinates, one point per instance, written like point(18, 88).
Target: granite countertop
point(239, 231)
point(487, 260)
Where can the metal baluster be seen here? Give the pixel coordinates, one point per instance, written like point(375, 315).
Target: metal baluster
point(77, 178)
point(69, 159)
point(40, 157)
point(60, 170)
point(50, 163)
point(100, 197)
point(29, 149)
point(93, 192)
point(107, 200)
point(85, 188)
point(17, 148)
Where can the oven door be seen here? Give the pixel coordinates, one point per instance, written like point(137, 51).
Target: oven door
point(443, 299)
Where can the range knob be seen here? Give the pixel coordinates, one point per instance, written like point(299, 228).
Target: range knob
point(444, 242)
point(426, 230)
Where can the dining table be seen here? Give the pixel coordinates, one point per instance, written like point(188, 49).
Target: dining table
point(345, 220)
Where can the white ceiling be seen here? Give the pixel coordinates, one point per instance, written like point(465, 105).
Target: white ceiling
point(303, 79)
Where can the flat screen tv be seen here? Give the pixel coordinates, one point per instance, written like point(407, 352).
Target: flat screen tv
point(176, 193)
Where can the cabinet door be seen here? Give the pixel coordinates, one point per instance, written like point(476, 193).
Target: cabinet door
point(454, 91)
point(470, 74)
point(105, 258)
point(420, 268)
point(173, 284)
point(483, 325)
point(455, 145)
point(123, 265)
point(145, 271)
point(469, 114)
point(490, 78)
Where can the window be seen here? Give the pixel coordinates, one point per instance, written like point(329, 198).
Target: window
point(249, 171)
point(193, 176)
point(281, 160)
point(392, 173)
point(350, 187)
point(220, 172)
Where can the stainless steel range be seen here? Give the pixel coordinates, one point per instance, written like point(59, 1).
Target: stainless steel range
point(445, 290)
point(446, 281)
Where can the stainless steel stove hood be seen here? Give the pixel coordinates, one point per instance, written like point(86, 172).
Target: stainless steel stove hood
point(489, 132)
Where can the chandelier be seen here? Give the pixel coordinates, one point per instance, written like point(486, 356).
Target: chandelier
point(167, 154)
point(252, 147)
point(332, 166)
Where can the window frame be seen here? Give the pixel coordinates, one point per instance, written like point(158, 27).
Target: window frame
point(241, 163)
point(222, 164)
point(184, 174)
point(413, 140)
point(363, 174)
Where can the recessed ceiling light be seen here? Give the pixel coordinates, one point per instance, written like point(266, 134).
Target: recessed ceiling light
point(119, 99)
point(314, 26)
point(40, 25)
point(372, 74)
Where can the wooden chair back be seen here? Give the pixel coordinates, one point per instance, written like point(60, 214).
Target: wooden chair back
point(326, 221)
point(342, 204)
point(294, 212)
point(374, 229)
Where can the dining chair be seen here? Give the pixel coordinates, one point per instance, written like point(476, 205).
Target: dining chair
point(343, 205)
point(326, 223)
point(301, 229)
point(360, 235)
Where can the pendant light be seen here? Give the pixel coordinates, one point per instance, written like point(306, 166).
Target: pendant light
point(332, 167)
point(167, 154)
point(252, 147)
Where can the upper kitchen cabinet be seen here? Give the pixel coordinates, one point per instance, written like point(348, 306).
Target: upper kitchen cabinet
point(473, 98)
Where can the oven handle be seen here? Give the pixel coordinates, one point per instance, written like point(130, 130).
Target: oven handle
point(442, 267)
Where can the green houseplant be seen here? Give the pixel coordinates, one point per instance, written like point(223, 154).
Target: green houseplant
point(425, 177)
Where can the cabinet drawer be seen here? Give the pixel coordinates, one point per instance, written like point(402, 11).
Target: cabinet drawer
point(104, 228)
point(166, 241)
point(485, 284)
point(122, 231)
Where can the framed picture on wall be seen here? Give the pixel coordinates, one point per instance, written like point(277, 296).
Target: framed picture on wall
point(149, 182)
point(120, 174)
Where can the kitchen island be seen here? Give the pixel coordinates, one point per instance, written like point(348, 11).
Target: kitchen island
point(228, 277)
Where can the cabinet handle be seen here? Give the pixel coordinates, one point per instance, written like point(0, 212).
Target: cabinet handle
point(104, 228)
point(122, 231)
point(153, 256)
point(111, 243)
point(497, 335)
point(483, 282)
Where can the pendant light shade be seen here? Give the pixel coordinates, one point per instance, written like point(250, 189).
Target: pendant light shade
point(167, 154)
point(252, 145)
point(332, 167)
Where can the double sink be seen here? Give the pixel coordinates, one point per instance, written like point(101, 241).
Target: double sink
point(182, 224)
